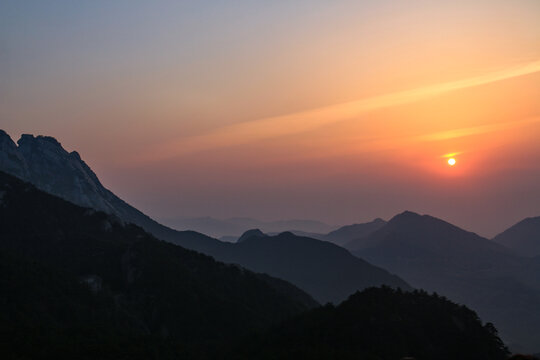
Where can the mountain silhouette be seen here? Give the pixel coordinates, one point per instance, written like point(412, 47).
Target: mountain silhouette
point(434, 255)
point(347, 234)
point(325, 271)
point(251, 233)
point(380, 323)
point(234, 227)
point(523, 237)
point(79, 283)
point(42, 161)
point(74, 280)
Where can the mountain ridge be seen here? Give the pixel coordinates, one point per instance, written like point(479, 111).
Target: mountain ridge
point(43, 161)
point(381, 323)
point(348, 233)
point(435, 255)
point(235, 226)
point(327, 271)
point(522, 237)
point(66, 180)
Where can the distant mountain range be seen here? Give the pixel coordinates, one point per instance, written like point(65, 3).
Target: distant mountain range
point(344, 236)
point(347, 235)
point(325, 271)
point(523, 237)
point(233, 227)
point(436, 256)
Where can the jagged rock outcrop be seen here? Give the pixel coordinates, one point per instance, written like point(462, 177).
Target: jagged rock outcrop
point(53, 169)
point(42, 161)
point(11, 160)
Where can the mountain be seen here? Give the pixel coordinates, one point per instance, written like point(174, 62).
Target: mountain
point(236, 226)
point(312, 226)
point(523, 237)
point(43, 162)
point(437, 256)
point(251, 233)
point(380, 324)
point(326, 271)
point(79, 282)
point(312, 235)
point(273, 233)
point(345, 236)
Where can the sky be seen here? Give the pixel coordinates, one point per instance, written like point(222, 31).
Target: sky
point(339, 111)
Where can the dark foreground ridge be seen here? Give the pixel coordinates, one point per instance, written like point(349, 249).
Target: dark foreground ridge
point(74, 281)
point(381, 323)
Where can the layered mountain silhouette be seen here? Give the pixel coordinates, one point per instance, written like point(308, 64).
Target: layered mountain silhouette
point(346, 235)
point(434, 255)
point(254, 233)
point(273, 233)
point(325, 271)
point(79, 283)
point(74, 280)
point(429, 253)
point(381, 323)
point(234, 227)
point(523, 237)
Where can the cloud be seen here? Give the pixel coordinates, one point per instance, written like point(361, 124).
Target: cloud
point(300, 122)
point(477, 130)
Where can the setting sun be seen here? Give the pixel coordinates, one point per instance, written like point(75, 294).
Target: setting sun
point(451, 161)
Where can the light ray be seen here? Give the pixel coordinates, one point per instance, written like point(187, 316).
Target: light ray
point(295, 123)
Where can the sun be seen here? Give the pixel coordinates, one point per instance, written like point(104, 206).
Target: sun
point(451, 161)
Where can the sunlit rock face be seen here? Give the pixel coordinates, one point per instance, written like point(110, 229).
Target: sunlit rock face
point(43, 161)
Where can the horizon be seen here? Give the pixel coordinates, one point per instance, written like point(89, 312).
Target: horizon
point(169, 219)
point(335, 112)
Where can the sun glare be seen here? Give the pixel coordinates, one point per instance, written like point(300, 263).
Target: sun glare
point(451, 161)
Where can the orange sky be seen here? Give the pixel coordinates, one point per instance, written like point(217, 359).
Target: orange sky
point(338, 111)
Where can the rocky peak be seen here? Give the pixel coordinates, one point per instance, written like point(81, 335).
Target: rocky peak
point(4, 135)
point(5, 142)
point(41, 147)
point(44, 162)
point(29, 138)
point(11, 160)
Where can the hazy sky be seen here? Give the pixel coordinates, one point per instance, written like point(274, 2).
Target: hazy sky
point(340, 111)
